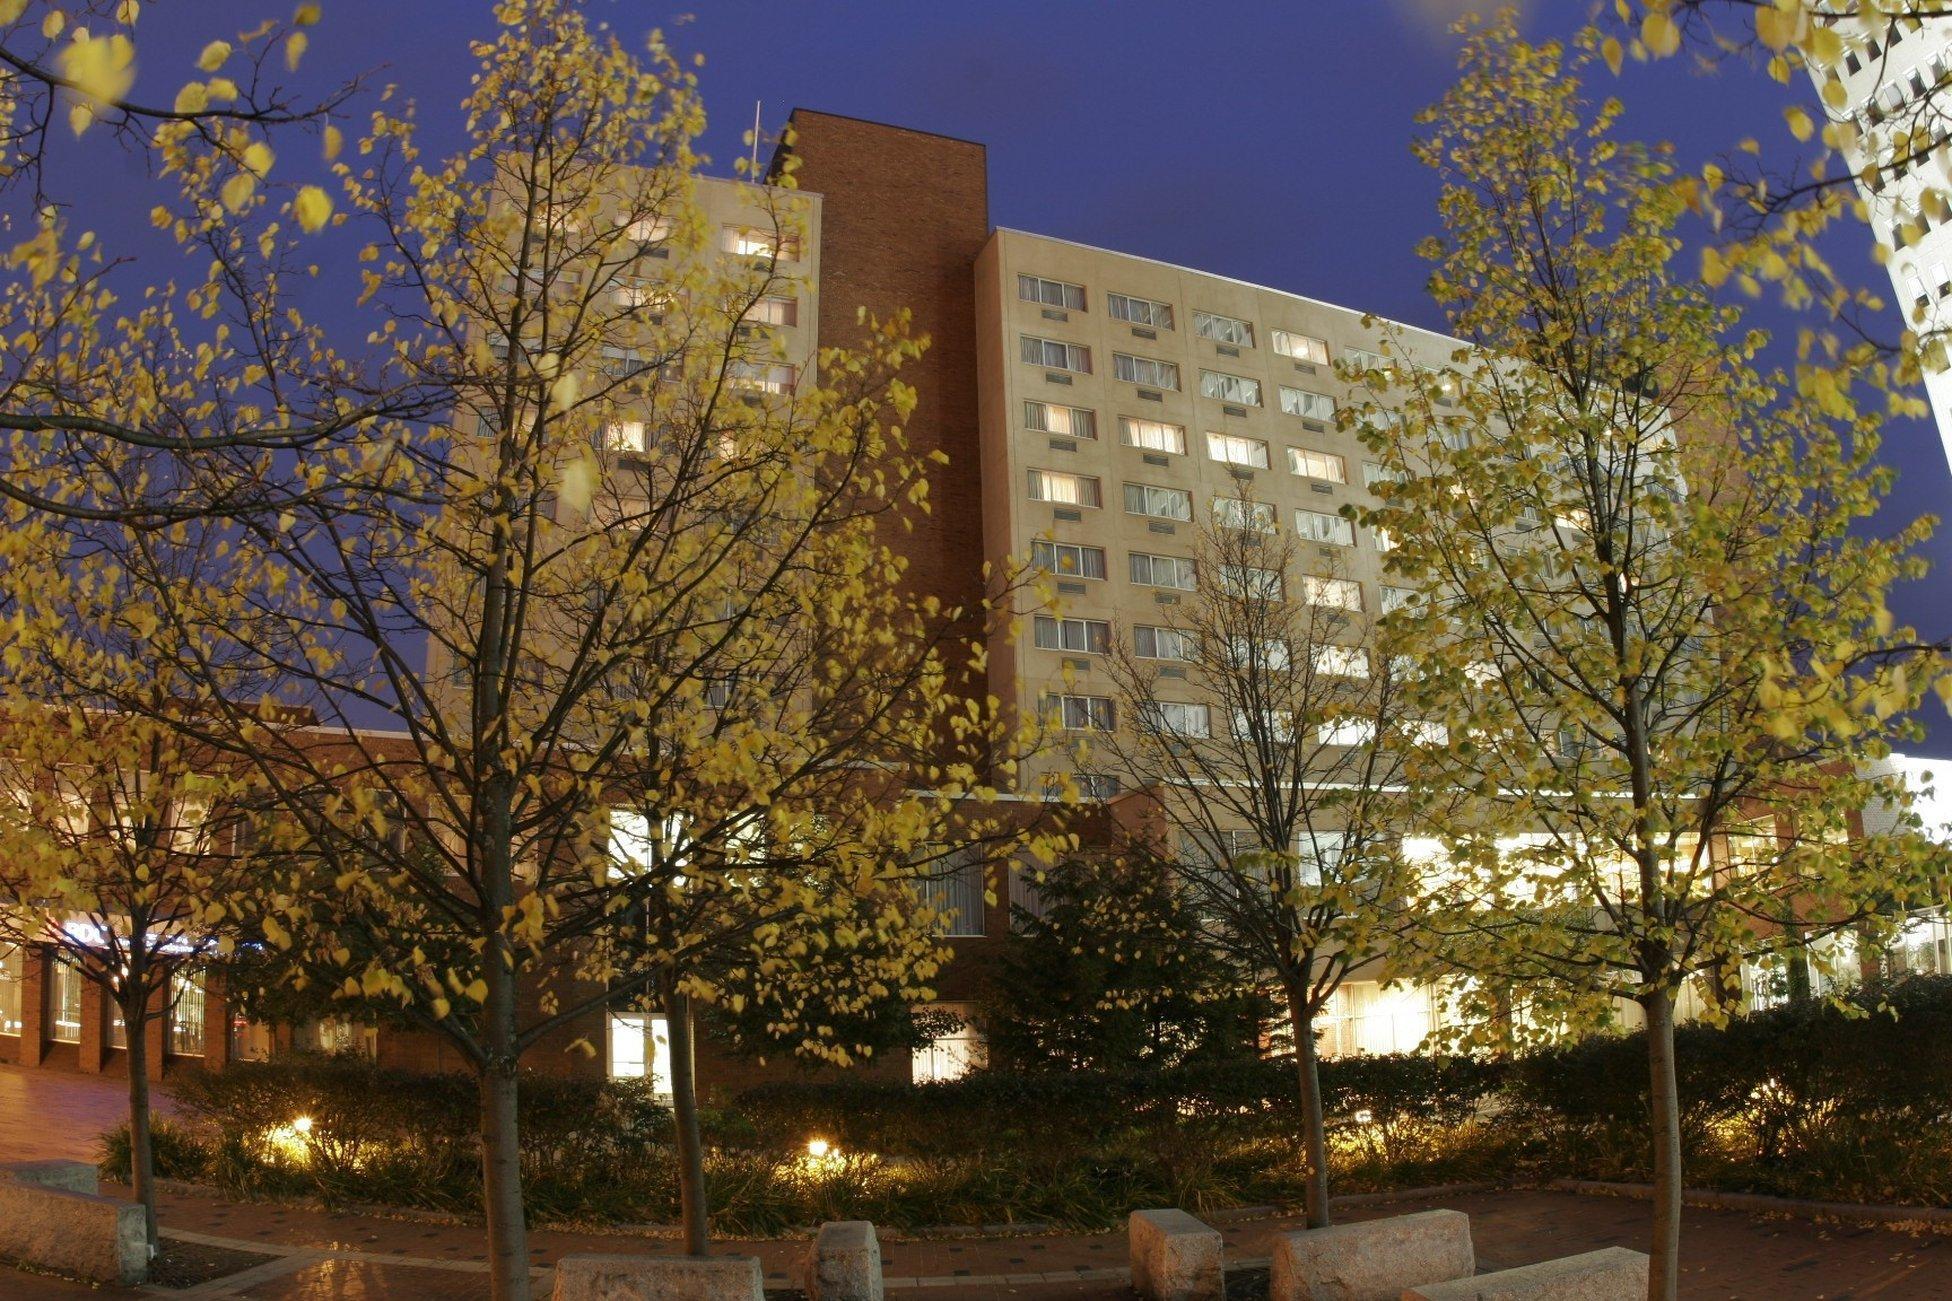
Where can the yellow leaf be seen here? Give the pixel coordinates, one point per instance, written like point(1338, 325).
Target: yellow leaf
point(237, 191)
point(1610, 51)
point(1800, 124)
point(101, 69)
point(193, 98)
point(295, 50)
point(334, 139)
point(312, 207)
point(258, 157)
point(213, 56)
point(1660, 34)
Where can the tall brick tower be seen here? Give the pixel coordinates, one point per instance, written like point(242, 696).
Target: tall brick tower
point(904, 216)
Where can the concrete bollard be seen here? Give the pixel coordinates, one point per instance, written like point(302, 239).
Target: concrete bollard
point(844, 1263)
point(46, 1221)
point(659, 1278)
point(1611, 1274)
point(1175, 1257)
point(1372, 1260)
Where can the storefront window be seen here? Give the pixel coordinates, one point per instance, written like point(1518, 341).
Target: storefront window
point(952, 1054)
point(11, 978)
point(186, 1012)
point(64, 1001)
point(640, 1047)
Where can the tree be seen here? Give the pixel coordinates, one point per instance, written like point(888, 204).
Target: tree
point(1276, 782)
point(122, 848)
point(1112, 970)
point(643, 574)
point(1653, 626)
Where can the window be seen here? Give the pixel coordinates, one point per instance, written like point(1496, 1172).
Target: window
point(12, 976)
point(952, 1054)
point(1230, 388)
point(766, 245)
point(1276, 723)
point(1342, 661)
point(1384, 542)
point(1346, 731)
point(1049, 418)
point(1159, 503)
point(64, 1000)
point(1336, 593)
point(1395, 598)
point(1052, 354)
point(1178, 718)
point(1224, 329)
point(774, 311)
point(1301, 347)
point(1362, 361)
point(1068, 560)
point(1453, 435)
point(760, 376)
point(636, 293)
point(188, 1009)
point(1085, 636)
point(1373, 474)
point(1236, 450)
point(1153, 435)
point(1319, 526)
point(1233, 513)
point(1145, 370)
point(1139, 311)
point(1256, 653)
point(1155, 643)
point(1309, 405)
point(1067, 489)
point(1162, 571)
point(951, 887)
point(1251, 582)
point(1051, 293)
point(1081, 713)
point(1311, 464)
point(640, 1049)
point(648, 230)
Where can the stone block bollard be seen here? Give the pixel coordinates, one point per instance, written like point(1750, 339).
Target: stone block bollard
point(659, 1278)
point(843, 1263)
point(1372, 1260)
point(1612, 1274)
point(1175, 1257)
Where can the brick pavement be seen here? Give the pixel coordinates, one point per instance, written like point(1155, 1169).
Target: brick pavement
point(317, 1254)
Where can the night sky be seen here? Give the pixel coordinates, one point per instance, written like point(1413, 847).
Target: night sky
point(1266, 141)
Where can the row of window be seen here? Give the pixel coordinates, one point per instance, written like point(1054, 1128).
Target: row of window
point(1078, 636)
point(1154, 372)
point(1232, 331)
point(1165, 436)
point(1066, 488)
point(1076, 712)
point(61, 993)
point(1077, 560)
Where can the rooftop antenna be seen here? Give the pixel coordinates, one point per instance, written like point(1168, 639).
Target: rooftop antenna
point(755, 139)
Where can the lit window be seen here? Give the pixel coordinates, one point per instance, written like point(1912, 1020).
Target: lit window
point(624, 436)
point(1236, 450)
point(771, 246)
point(951, 887)
point(1233, 513)
point(1224, 329)
point(1153, 435)
point(1311, 464)
point(774, 311)
point(1319, 526)
point(1159, 503)
point(950, 1055)
point(12, 978)
point(1346, 731)
point(1065, 489)
point(1342, 661)
point(760, 376)
point(1300, 346)
point(1068, 560)
point(1155, 643)
point(640, 1049)
point(64, 1000)
point(1081, 713)
point(1145, 371)
point(1230, 388)
point(1178, 718)
point(1361, 361)
point(1162, 571)
point(1251, 582)
point(1308, 405)
point(1072, 422)
point(1051, 293)
point(188, 1009)
point(648, 230)
point(1334, 593)
point(1139, 311)
point(1053, 354)
point(1082, 636)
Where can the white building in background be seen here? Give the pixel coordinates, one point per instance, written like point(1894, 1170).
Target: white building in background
point(1887, 68)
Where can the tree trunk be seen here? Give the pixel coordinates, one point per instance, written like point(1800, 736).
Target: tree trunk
point(1664, 1268)
point(501, 1151)
point(142, 1146)
point(1314, 1130)
point(684, 1115)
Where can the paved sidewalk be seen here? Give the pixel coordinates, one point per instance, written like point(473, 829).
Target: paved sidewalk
point(316, 1254)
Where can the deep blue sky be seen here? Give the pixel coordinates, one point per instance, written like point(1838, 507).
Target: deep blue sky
point(1263, 139)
